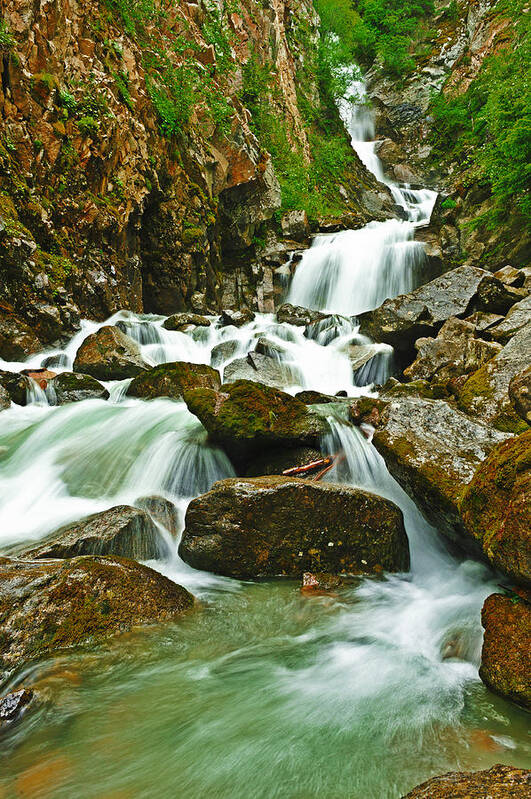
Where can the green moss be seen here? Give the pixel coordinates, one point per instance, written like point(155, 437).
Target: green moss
point(88, 126)
point(46, 79)
point(193, 235)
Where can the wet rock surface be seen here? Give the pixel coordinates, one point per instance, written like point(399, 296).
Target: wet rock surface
point(75, 387)
point(123, 530)
point(247, 417)
point(46, 606)
point(236, 318)
point(295, 315)
point(5, 399)
point(498, 782)
point(260, 368)
point(267, 526)
point(433, 451)
point(496, 507)
point(506, 655)
point(180, 321)
point(173, 379)
point(162, 511)
point(109, 354)
point(16, 385)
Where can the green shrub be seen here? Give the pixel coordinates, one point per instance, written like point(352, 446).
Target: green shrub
point(88, 126)
point(7, 40)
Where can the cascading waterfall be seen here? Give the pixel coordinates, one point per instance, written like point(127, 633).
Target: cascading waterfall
point(263, 693)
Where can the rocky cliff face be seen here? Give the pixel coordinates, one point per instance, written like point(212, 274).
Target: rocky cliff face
point(463, 36)
point(130, 176)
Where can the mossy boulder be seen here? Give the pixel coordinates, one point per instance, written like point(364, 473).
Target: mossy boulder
point(47, 606)
point(181, 321)
point(506, 654)
point(485, 394)
point(122, 530)
point(247, 417)
point(75, 387)
point(173, 379)
point(433, 450)
point(109, 354)
point(498, 782)
point(496, 507)
point(267, 526)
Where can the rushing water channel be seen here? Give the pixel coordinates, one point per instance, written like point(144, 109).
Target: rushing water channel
point(261, 692)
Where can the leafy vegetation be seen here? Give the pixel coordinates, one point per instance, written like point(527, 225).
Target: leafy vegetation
point(7, 41)
point(488, 129)
point(386, 30)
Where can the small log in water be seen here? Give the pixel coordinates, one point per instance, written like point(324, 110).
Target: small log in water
point(309, 467)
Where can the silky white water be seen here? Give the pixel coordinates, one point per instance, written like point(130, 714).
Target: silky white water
point(262, 692)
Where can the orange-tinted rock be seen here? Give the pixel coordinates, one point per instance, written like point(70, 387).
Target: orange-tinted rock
point(498, 782)
point(506, 655)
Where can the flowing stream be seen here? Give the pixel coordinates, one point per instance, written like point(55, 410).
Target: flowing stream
point(262, 692)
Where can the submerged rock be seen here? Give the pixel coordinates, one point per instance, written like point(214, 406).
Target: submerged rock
point(236, 318)
point(180, 321)
point(498, 782)
point(47, 606)
point(506, 654)
point(247, 418)
point(296, 315)
point(485, 394)
point(404, 319)
point(109, 354)
point(173, 379)
point(433, 451)
point(74, 387)
point(122, 530)
point(12, 705)
point(267, 526)
point(496, 507)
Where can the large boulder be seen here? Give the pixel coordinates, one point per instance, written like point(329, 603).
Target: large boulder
point(404, 319)
point(485, 394)
point(223, 351)
point(496, 507)
point(182, 321)
point(48, 605)
point(109, 354)
point(75, 387)
point(433, 451)
point(173, 379)
point(506, 654)
point(498, 782)
point(266, 526)
point(122, 530)
point(162, 511)
point(247, 418)
point(296, 315)
point(455, 351)
point(260, 368)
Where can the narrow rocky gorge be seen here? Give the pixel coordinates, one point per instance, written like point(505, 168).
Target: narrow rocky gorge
point(265, 463)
